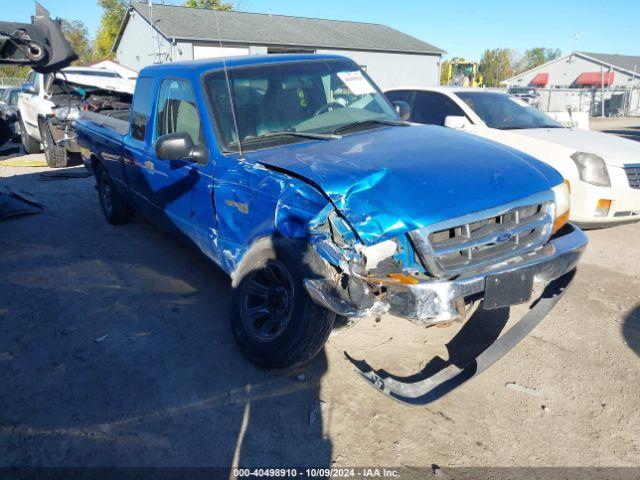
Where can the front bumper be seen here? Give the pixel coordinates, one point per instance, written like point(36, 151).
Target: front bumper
point(419, 389)
point(436, 301)
point(625, 202)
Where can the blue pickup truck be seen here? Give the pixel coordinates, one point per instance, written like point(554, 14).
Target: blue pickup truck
point(300, 180)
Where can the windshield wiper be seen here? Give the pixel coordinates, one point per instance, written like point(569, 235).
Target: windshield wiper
point(286, 133)
point(380, 121)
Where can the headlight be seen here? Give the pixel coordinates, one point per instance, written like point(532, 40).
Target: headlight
point(562, 205)
point(66, 113)
point(592, 169)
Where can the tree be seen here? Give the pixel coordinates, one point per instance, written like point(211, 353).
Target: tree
point(113, 12)
point(208, 4)
point(76, 33)
point(14, 72)
point(534, 57)
point(496, 65)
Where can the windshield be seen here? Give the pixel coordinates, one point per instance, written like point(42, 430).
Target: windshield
point(503, 112)
point(304, 97)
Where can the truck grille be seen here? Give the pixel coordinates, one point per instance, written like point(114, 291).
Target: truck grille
point(492, 237)
point(633, 174)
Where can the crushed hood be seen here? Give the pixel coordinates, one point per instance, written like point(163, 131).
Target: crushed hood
point(615, 150)
point(392, 180)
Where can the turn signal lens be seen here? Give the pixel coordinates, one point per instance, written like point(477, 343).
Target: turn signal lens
point(603, 207)
point(560, 222)
point(562, 205)
point(403, 278)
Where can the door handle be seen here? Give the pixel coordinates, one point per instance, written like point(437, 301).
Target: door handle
point(148, 164)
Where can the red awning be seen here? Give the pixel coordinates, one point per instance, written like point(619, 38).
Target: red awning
point(540, 80)
point(590, 79)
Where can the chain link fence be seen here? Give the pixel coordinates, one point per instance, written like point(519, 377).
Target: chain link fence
point(613, 102)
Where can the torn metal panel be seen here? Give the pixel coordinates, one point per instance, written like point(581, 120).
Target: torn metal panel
point(13, 204)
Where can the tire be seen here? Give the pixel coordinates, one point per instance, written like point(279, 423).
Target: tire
point(274, 321)
point(30, 145)
point(114, 207)
point(56, 156)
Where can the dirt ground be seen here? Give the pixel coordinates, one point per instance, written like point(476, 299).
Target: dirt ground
point(115, 351)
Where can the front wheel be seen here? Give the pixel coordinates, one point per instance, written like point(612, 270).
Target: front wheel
point(274, 321)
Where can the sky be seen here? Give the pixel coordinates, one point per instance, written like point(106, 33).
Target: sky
point(461, 27)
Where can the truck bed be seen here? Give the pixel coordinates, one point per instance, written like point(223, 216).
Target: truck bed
point(118, 120)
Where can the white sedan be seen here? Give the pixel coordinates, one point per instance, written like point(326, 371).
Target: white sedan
point(603, 170)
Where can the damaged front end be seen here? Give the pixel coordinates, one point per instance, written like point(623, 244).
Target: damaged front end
point(437, 273)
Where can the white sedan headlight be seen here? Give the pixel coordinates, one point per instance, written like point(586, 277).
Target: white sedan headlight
point(592, 169)
point(562, 204)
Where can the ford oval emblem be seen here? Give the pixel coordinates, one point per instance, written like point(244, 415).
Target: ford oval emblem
point(504, 237)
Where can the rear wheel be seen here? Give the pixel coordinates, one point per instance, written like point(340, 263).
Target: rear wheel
point(56, 156)
point(114, 207)
point(274, 321)
point(30, 145)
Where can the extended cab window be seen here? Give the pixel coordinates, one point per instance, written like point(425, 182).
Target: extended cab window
point(432, 108)
point(177, 111)
point(141, 108)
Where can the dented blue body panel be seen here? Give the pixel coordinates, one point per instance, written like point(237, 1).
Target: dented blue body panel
point(384, 181)
point(391, 180)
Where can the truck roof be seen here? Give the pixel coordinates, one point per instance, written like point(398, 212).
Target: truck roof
point(206, 64)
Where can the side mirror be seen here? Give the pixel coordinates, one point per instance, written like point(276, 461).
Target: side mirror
point(403, 109)
point(28, 88)
point(179, 146)
point(174, 146)
point(456, 122)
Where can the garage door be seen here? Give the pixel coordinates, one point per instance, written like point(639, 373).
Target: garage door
point(207, 51)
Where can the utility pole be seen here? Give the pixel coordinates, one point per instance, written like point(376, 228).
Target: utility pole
point(601, 91)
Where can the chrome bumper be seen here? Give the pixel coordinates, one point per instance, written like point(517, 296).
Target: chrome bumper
point(437, 301)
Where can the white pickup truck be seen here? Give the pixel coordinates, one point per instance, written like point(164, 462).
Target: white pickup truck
point(49, 105)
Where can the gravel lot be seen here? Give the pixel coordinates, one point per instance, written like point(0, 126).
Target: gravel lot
point(115, 351)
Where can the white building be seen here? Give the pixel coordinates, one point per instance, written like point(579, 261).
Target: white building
point(595, 83)
point(582, 70)
point(391, 57)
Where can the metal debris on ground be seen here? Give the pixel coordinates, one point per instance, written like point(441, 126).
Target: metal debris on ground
point(49, 176)
point(13, 204)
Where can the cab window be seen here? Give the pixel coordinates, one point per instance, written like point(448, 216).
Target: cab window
point(141, 108)
point(177, 110)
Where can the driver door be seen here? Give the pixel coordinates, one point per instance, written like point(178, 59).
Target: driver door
point(171, 185)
